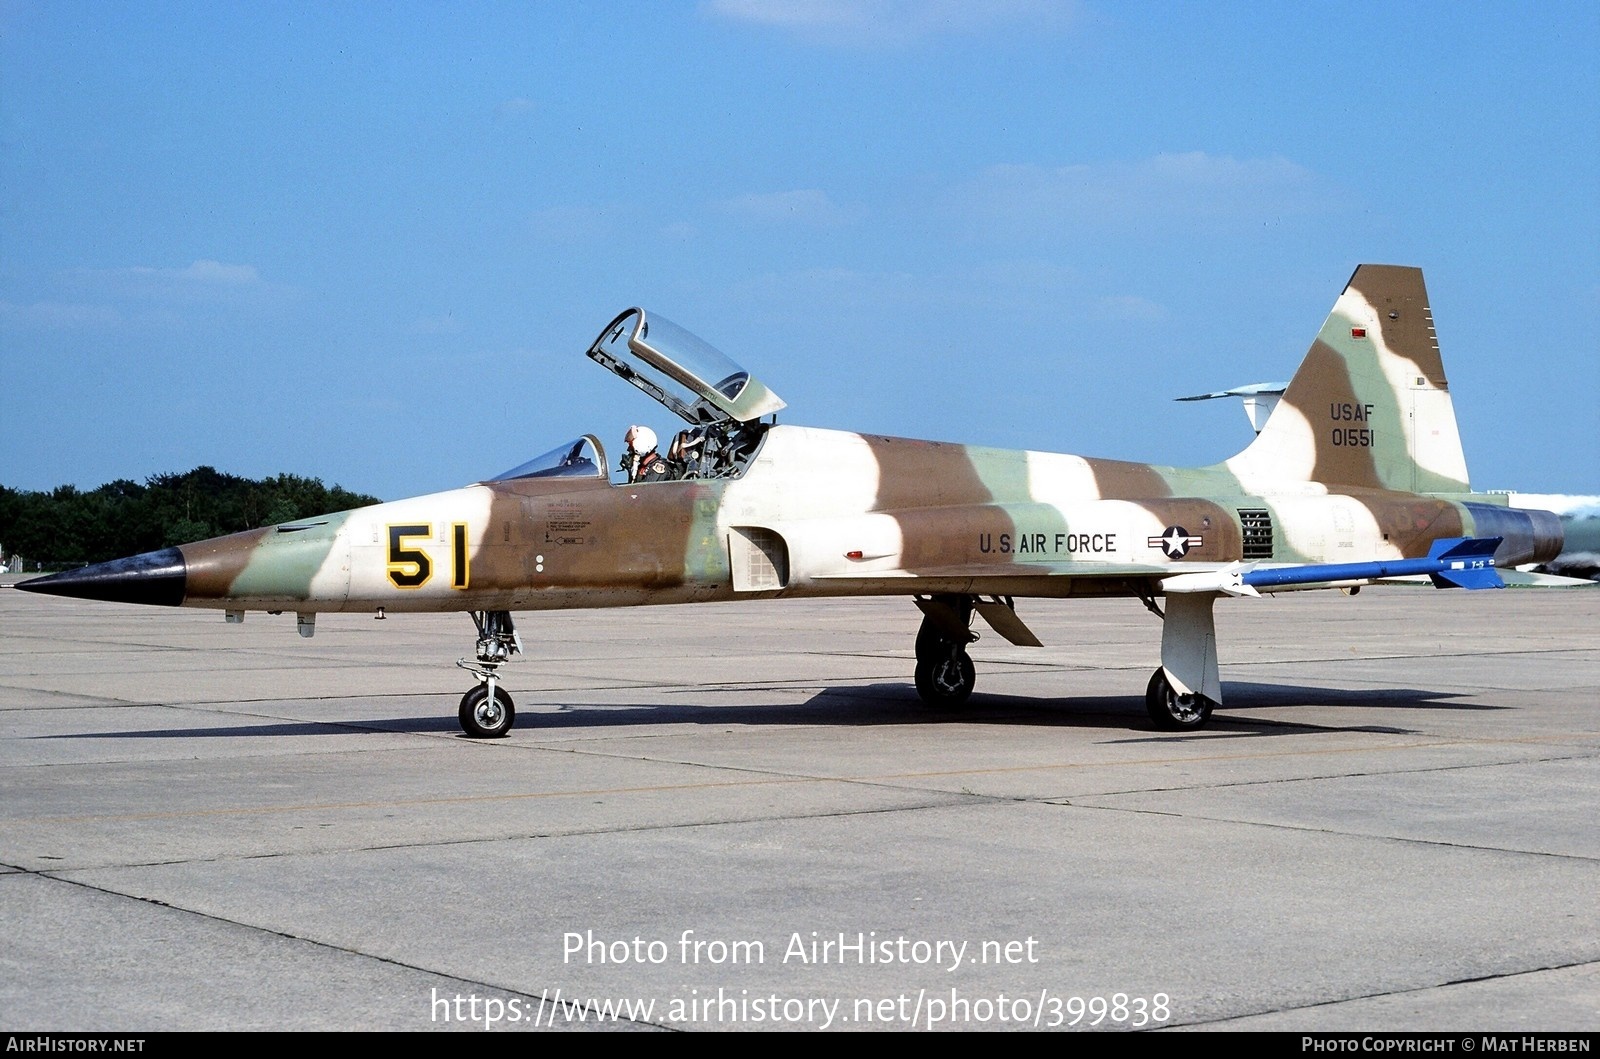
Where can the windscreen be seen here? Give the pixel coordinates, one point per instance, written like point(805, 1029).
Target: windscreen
point(575, 459)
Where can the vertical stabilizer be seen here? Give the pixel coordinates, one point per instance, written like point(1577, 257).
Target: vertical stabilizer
point(1370, 406)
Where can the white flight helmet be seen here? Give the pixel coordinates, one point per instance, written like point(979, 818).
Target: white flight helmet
point(640, 439)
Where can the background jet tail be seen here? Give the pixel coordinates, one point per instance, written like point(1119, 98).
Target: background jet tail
point(1370, 406)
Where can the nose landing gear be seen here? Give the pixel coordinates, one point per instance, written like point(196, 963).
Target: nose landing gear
point(487, 711)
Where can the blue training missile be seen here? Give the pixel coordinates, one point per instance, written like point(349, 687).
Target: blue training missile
point(1452, 562)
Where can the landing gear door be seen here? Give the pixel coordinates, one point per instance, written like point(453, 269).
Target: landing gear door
point(681, 371)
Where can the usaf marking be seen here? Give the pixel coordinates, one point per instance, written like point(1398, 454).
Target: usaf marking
point(1039, 543)
point(1350, 437)
point(1175, 541)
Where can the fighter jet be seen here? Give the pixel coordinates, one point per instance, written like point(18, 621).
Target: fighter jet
point(1357, 477)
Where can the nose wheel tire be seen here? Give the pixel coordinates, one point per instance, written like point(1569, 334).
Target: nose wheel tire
point(486, 717)
point(1172, 711)
point(946, 679)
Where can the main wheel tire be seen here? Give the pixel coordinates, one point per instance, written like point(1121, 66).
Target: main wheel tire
point(946, 681)
point(1170, 710)
point(482, 718)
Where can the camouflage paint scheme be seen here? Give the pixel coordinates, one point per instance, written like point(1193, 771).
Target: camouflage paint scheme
point(926, 516)
point(1361, 461)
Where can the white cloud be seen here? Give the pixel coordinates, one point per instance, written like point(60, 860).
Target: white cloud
point(1011, 289)
point(808, 207)
point(840, 287)
point(211, 273)
point(201, 280)
point(54, 316)
point(1128, 307)
point(680, 231)
point(146, 297)
point(79, 316)
point(510, 108)
point(871, 23)
point(1186, 190)
point(572, 224)
point(214, 272)
point(437, 325)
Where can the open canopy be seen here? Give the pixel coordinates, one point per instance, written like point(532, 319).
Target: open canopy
point(680, 370)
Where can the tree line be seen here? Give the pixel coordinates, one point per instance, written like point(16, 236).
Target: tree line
point(68, 526)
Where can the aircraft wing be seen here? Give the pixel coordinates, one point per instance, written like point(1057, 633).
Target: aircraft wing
point(1464, 562)
point(1457, 562)
point(1004, 575)
point(999, 583)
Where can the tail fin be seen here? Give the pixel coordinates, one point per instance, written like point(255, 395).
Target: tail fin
point(1369, 407)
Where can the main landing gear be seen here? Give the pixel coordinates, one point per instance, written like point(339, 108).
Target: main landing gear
point(1170, 709)
point(1180, 695)
point(487, 712)
point(945, 673)
point(1183, 692)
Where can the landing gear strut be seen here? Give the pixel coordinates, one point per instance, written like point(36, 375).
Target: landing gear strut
point(945, 673)
point(487, 712)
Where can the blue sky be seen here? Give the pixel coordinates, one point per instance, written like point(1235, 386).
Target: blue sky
point(370, 242)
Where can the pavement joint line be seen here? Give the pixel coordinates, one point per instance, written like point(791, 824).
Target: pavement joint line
point(475, 799)
point(1419, 989)
point(766, 778)
point(951, 800)
point(503, 990)
point(1404, 840)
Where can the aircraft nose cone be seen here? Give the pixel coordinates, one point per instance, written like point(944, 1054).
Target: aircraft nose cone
point(153, 577)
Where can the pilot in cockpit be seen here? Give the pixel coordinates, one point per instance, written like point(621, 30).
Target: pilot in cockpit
point(641, 460)
point(686, 454)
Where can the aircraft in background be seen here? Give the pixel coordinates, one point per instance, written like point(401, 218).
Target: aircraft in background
point(1357, 477)
point(1580, 529)
point(1259, 399)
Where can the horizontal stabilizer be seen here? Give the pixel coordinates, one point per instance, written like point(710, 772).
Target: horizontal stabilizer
point(1532, 579)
